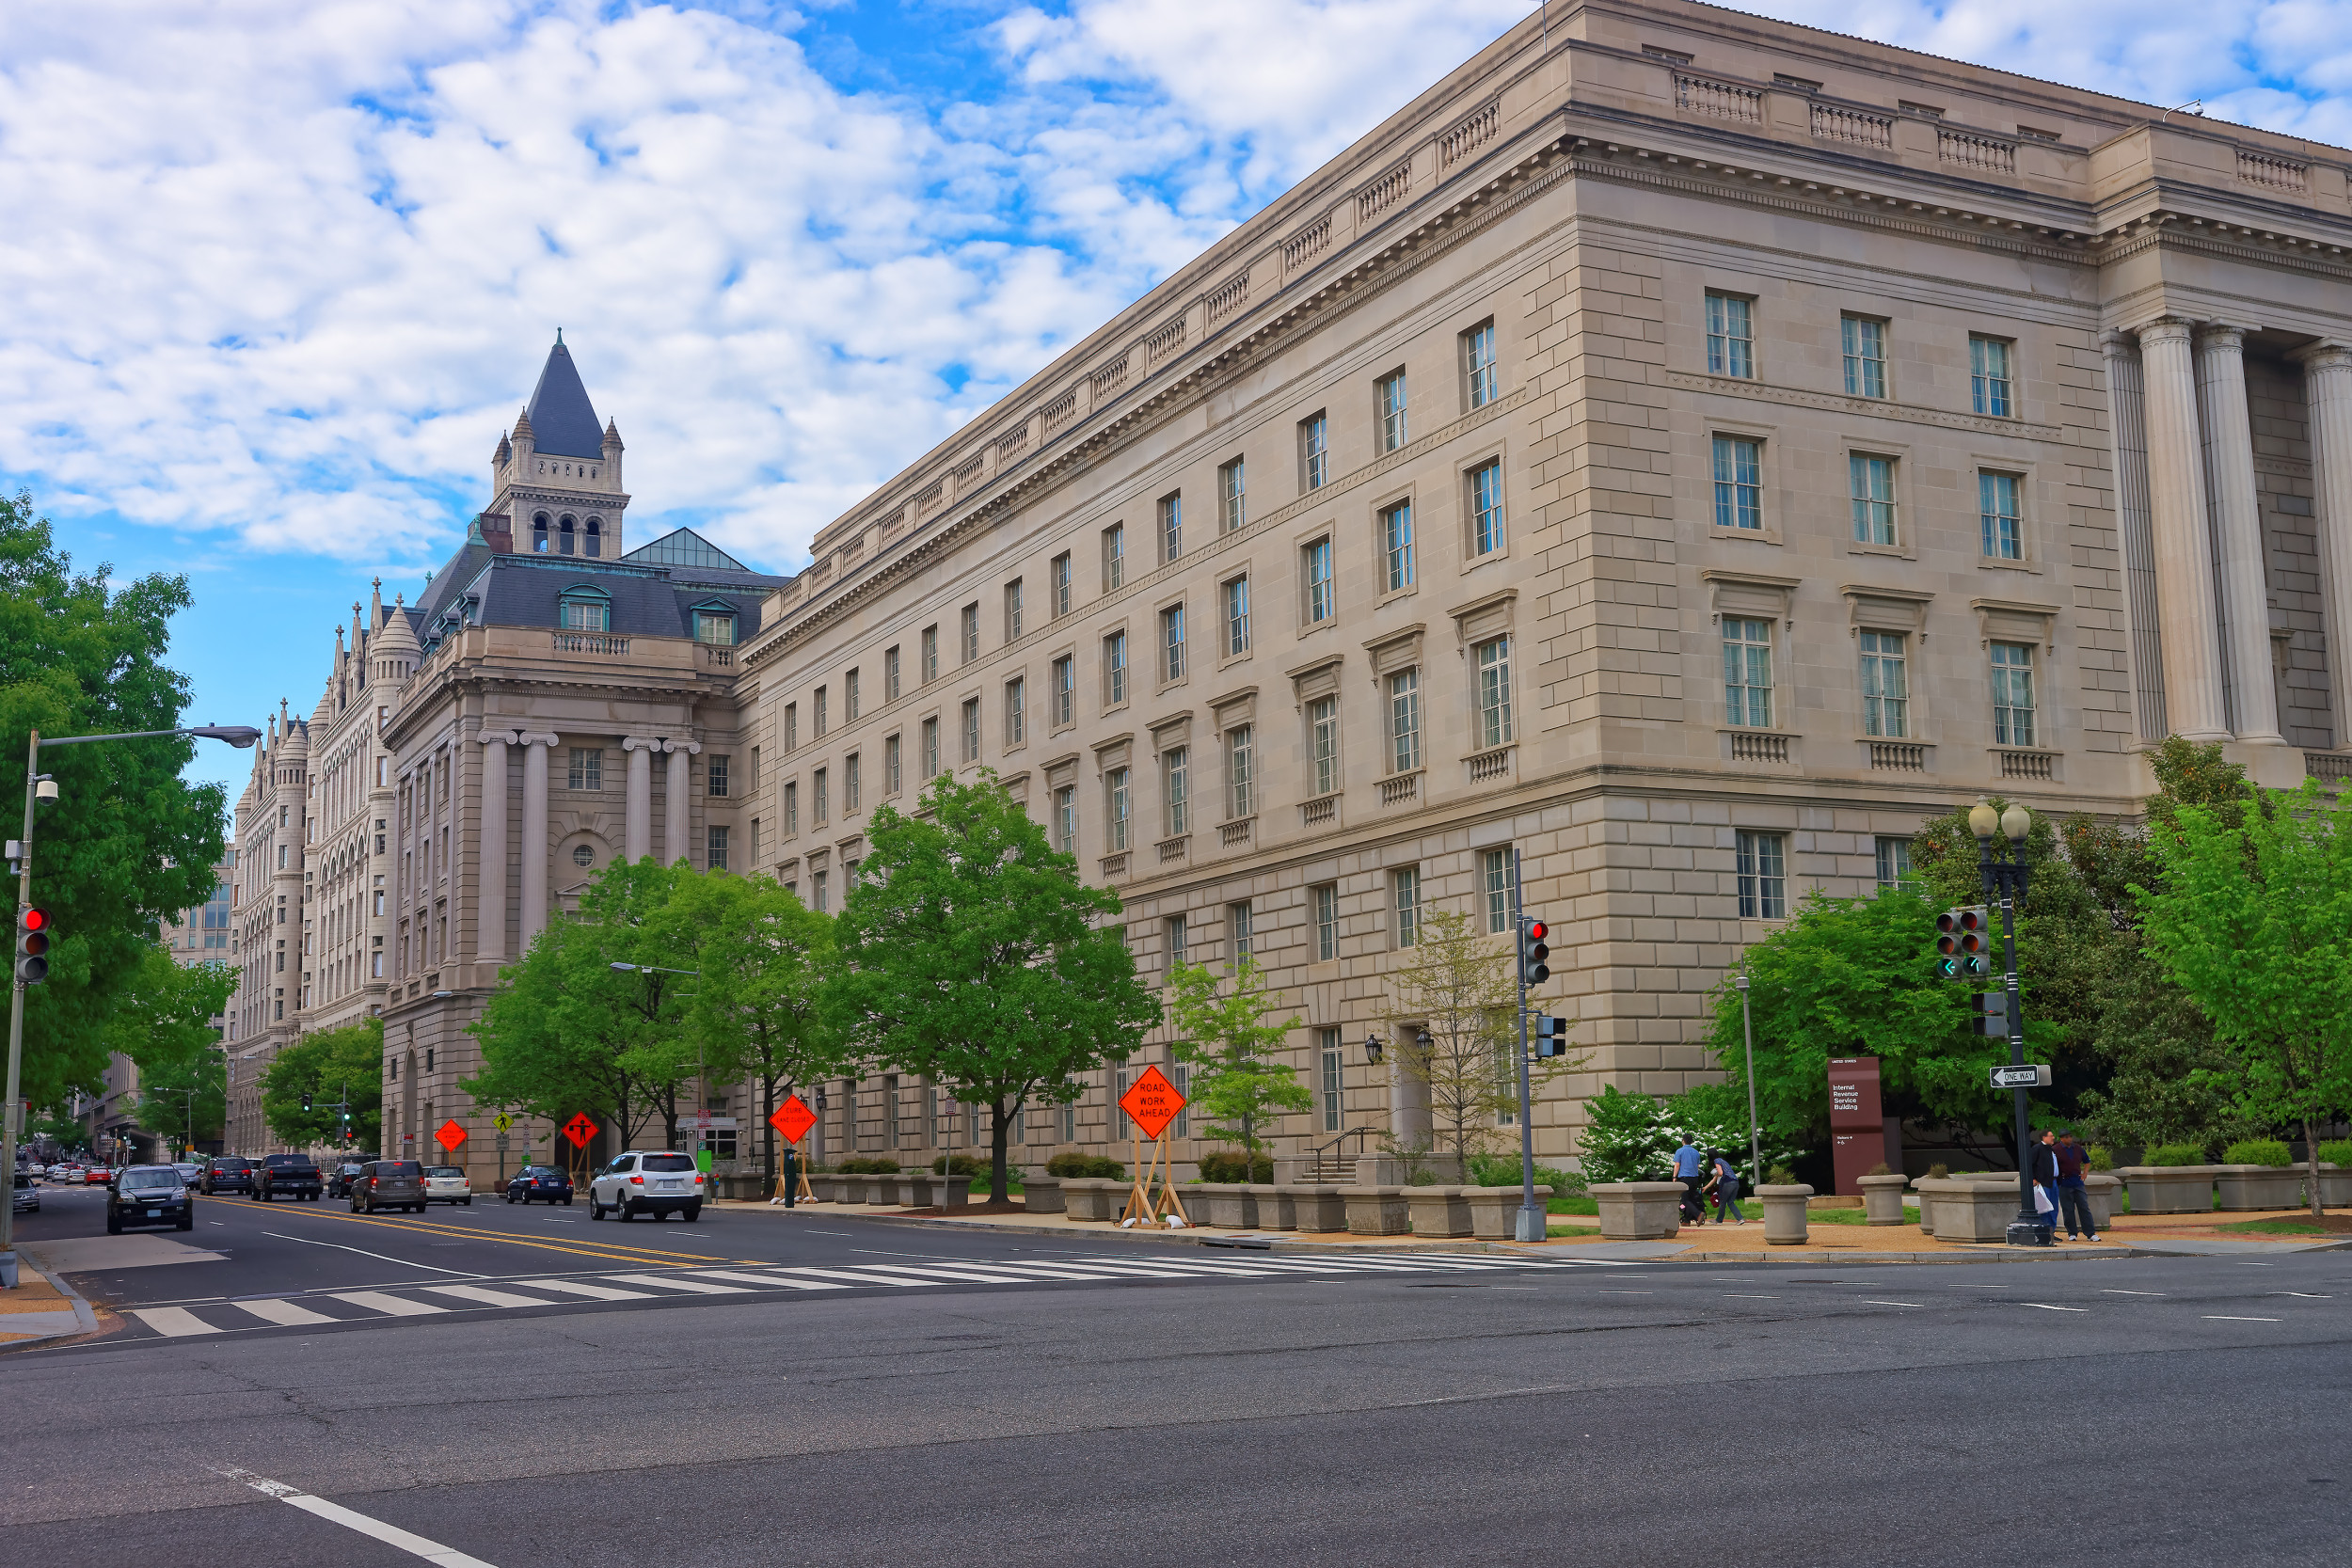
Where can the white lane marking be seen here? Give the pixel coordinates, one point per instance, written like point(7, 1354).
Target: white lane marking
point(2224, 1318)
point(462, 1273)
point(1734, 1295)
point(769, 1280)
point(594, 1293)
point(1867, 1302)
point(670, 1282)
point(487, 1298)
point(2236, 1264)
point(395, 1306)
point(391, 1535)
point(2302, 1295)
point(2047, 1308)
point(2111, 1293)
point(174, 1322)
point(284, 1312)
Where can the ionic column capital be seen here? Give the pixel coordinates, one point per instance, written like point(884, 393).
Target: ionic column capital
point(689, 747)
point(498, 738)
point(530, 738)
point(639, 743)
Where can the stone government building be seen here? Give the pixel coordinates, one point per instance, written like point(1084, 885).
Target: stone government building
point(1686, 448)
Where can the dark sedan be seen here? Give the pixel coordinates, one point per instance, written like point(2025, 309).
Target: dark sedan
point(539, 1184)
point(148, 1196)
point(339, 1181)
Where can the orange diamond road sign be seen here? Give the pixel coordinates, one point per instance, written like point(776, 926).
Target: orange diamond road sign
point(579, 1130)
point(1152, 1102)
point(794, 1119)
point(448, 1135)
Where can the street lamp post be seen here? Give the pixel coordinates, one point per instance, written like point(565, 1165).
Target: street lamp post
point(2004, 875)
point(235, 735)
point(1756, 1128)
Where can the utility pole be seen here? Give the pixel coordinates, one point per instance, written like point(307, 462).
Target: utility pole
point(2004, 878)
point(1533, 1223)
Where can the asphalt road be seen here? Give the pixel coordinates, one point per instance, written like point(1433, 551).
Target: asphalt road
point(2153, 1411)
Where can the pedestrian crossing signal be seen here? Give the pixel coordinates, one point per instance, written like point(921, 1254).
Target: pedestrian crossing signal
point(1963, 943)
point(1992, 1010)
point(1550, 1037)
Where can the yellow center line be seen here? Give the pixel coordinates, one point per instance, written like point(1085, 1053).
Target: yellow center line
point(608, 1252)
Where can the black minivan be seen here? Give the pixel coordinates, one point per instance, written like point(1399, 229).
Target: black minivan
point(148, 1196)
point(226, 1173)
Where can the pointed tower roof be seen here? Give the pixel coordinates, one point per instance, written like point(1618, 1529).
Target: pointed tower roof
point(562, 417)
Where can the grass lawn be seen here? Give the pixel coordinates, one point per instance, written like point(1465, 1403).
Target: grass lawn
point(1556, 1231)
point(2330, 1225)
point(1573, 1203)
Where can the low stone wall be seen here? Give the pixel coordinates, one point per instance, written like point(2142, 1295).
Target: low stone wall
point(1638, 1211)
point(2169, 1189)
point(1376, 1211)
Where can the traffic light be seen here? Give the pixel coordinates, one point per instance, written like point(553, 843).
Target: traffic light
point(305, 1101)
point(32, 947)
point(1551, 1035)
point(1533, 951)
point(1992, 1010)
point(1963, 942)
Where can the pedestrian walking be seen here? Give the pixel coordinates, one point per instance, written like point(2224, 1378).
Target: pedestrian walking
point(1691, 1170)
point(2073, 1193)
point(1726, 1188)
point(2043, 1167)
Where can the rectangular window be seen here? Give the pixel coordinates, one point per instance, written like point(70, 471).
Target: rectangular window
point(1327, 921)
point(715, 848)
point(971, 638)
point(1391, 401)
point(587, 768)
point(930, 749)
point(1322, 603)
point(1066, 819)
point(1314, 452)
point(1334, 1107)
point(1239, 922)
point(1065, 690)
point(1232, 492)
point(1016, 719)
point(1481, 378)
point(1494, 693)
point(1730, 336)
point(1747, 673)
point(1171, 526)
point(1895, 863)
point(584, 615)
point(1115, 669)
point(1739, 482)
point(1871, 487)
point(2012, 694)
point(816, 885)
point(1989, 384)
point(930, 654)
point(792, 726)
point(852, 783)
point(791, 808)
point(1885, 685)
point(1176, 790)
point(1763, 876)
point(1405, 895)
point(1173, 643)
point(890, 674)
point(1396, 548)
point(1013, 610)
point(890, 766)
point(1114, 555)
point(1117, 802)
point(852, 684)
point(1404, 721)
point(1865, 343)
point(1240, 793)
point(819, 723)
point(1236, 617)
point(1486, 508)
point(1996, 512)
point(714, 628)
point(1322, 745)
point(971, 729)
point(1174, 930)
point(715, 773)
point(820, 797)
point(1061, 575)
point(1070, 1124)
point(1495, 879)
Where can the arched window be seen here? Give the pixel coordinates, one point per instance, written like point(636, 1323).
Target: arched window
point(564, 532)
point(539, 534)
point(595, 536)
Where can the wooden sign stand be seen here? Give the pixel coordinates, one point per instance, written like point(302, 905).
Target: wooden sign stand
point(802, 1191)
point(1154, 1195)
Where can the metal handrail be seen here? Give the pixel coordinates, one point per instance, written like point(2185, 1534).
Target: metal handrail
point(1359, 1134)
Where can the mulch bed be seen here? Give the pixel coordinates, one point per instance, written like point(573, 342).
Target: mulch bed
point(1010, 1206)
point(2333, 1225)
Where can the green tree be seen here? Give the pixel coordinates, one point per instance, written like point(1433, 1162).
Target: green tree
point(1226, 1038)
point(972, 954)
point(1452, 1013)
point(128, 843)
point(764, 959)
point(162, 1021)
point(328, 1067)
point(2255, 921)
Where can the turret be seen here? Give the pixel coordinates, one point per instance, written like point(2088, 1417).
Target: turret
point(393, 657)
point(612, 454)
point(526, 443)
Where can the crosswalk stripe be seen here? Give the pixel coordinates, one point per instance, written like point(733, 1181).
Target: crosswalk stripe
point(175, 1322)
point(487, 1298)
point(672, 1282)
point(855, 1277)
point(949, 1276)
point(284, 1312)
point(771, 1281)
point(395, 1306)
point(593, 1293)
point(1075, 1271)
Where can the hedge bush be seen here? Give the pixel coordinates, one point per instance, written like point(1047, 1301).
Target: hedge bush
point(2338, 1154)
point(1233, 1166)
point(2258, 1151)
point(1071, 1164)
point(959, 1164)
point(2101, 1157)
point(2175, 1154)
point(1502, 1170)
point(862, 1166)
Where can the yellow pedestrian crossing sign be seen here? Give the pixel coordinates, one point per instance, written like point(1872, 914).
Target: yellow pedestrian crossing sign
point(504, 1121)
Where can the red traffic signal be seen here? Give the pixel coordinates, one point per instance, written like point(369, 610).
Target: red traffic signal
point(1537, 930)
point(1533, 951)
point(32, 945)
point(34, 919)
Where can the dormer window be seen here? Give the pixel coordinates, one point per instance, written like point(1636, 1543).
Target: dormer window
point(595, 536)
point(539, 534)
point(715, 623)
point(564, 535)
point(585, 609)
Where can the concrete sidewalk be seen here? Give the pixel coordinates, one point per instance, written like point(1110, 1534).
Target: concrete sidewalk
point(42, 1308)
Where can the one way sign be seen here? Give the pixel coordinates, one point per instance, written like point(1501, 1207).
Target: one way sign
point(2031, 1076)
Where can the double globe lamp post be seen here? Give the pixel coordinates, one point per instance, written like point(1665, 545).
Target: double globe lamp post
point(2002, 871)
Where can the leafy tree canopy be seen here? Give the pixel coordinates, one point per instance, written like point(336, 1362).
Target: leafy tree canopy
point(1226, 1039)
point(328, 1067)
point(162, 1020)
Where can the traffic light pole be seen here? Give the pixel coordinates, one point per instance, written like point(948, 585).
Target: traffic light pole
point(16, 1016)
point(1533, 1220)
point(2005, 880)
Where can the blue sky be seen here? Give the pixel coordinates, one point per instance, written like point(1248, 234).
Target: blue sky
point(281, 271)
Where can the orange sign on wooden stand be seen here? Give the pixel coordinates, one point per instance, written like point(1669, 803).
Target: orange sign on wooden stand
point(794, 1119)
point(448, 1135)
point(1152, 1104)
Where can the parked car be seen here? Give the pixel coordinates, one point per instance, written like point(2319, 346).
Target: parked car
point(150, 1195)
point(27, 1198)
point(647, 1181)
point(540, 1184)
point(189, 1171)
point(339, 1181)
point(389, 1184)
point(226, 1173)
point(448, 1185)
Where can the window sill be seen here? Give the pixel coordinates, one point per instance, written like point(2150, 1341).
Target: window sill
point(1993, 563)
point(1232, 659)
point(1395, 593)
point(1471, 564)
point(2029, 763)
point(1898, 552)
point(1885, 755)
point(1401, 788)
point(1744, 535)
point(1312, 627)
point(1776, 748)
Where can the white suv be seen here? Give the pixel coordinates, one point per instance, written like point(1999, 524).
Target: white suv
point(448, 1185)
point(655, 1182)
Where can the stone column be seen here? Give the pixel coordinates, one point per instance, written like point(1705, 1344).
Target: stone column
point(2237, 527)
point(2127, 435)
point(490, 909)
point(637, 814)
point(534, 835)
point(677, 806)
point(2176, 484)
point(2328, 403)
